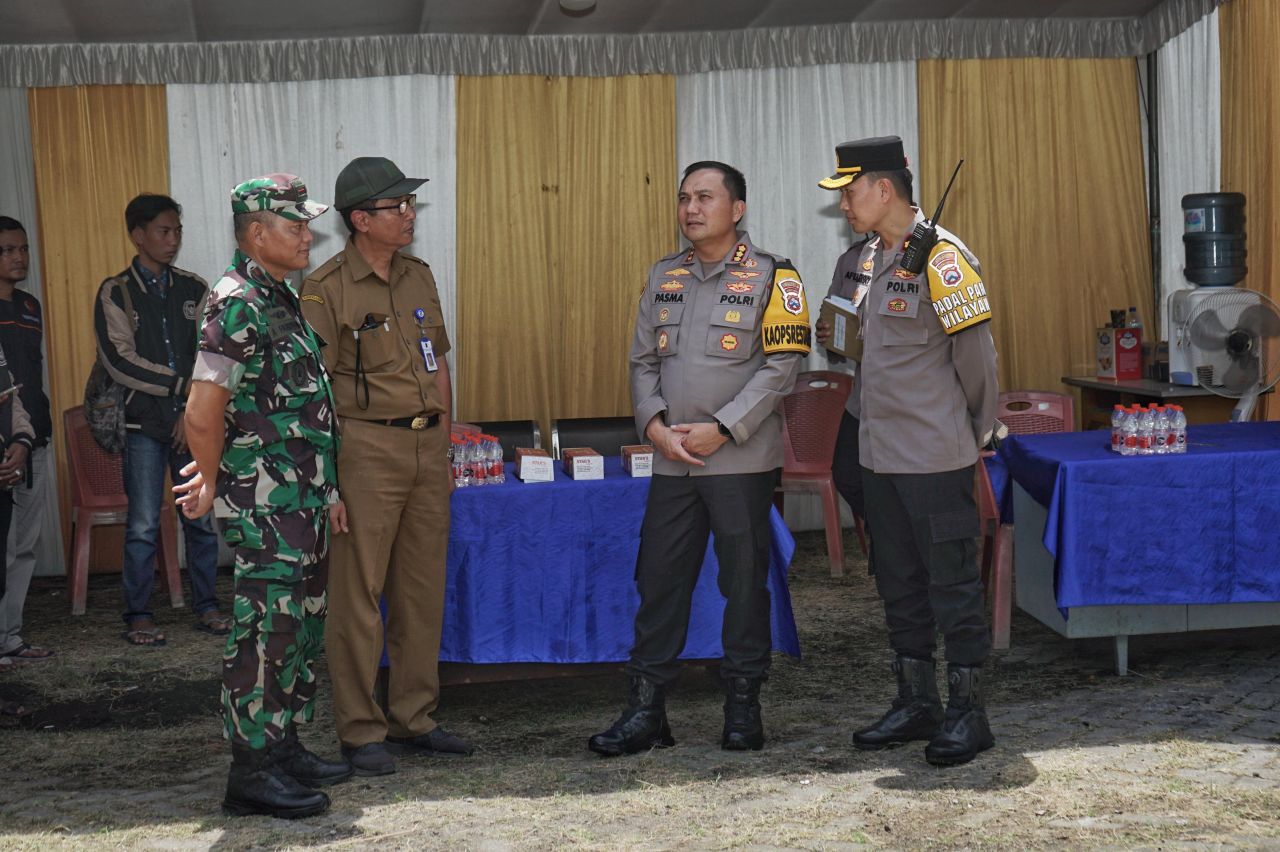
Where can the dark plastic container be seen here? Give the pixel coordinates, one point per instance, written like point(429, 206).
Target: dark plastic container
point(1214, 238)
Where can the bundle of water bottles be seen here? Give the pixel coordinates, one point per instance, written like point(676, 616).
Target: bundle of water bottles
point(476, 459)
point(1156, 430)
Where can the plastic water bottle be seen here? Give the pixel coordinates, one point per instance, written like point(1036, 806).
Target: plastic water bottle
point(1129, 432)
point(1146, 431)
point(479, 464)
point(1160, 426)
point(456, 451)
point(1178, 427)
point(1118, 415)
point(497, 474)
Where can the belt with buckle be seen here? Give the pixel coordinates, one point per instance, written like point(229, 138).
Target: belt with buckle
point(417, 424)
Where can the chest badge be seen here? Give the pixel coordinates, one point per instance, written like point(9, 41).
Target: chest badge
point(664, 341)
point(903, 274)
point(898, 306)
point(664, 314)
point(732, 316)
point(739, 287)
point(729, 342)
point(677, 272)
point(671, 286)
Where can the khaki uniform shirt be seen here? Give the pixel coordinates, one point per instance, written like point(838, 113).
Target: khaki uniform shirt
point(849, 273)
point(928, 373)
point(345, 294)
point(723, 343)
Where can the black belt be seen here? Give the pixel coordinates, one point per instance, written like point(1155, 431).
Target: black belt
point(417, 424)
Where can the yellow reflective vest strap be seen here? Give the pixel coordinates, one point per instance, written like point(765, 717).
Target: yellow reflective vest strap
point(786, 315)
point(956, 290)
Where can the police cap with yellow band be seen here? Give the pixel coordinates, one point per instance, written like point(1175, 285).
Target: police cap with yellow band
point(878, 154)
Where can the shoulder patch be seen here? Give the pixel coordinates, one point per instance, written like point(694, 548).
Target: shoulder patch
point(786, 315)
point(312, 297)
point(958, 294)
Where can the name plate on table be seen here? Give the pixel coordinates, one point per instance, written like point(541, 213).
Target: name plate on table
point(534, 465)
point(583, 463)
point(637, 459)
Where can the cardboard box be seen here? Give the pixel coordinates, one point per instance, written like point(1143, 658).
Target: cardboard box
point(582, 463)
point(1119, 353)
point(637, 459)
point(841, 315)
point(534, 464)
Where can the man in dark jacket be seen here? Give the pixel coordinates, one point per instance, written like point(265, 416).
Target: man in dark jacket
point(152, 354)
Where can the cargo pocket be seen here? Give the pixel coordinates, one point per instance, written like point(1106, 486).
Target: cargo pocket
point(953, 549)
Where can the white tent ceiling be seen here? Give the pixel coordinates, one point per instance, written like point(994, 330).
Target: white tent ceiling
point(108, 21)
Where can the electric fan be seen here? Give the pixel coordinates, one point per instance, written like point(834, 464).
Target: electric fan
point(1232, 338)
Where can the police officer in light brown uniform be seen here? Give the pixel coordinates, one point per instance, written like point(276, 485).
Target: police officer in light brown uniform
point(928, 400)
point(721, 331)
point(378, 312)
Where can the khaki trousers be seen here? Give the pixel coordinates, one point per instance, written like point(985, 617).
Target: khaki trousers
point(395, 482)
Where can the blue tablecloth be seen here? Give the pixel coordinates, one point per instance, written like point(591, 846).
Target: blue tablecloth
point(1197, 528)
point(545, 573)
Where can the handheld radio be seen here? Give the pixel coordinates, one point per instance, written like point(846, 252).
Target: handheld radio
point(925, 234)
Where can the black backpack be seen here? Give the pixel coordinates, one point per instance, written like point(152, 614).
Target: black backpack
point(104, 399)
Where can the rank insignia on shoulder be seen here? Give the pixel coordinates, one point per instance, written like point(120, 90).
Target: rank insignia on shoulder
point(739, 252)
point(312, 297)
point(688, 258)
point(678, 271)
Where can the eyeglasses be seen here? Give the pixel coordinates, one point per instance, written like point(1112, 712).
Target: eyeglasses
point(405, 205)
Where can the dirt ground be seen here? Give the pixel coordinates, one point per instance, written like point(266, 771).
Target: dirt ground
point(124, 750)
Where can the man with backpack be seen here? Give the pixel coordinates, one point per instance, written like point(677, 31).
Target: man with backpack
point(147, 323)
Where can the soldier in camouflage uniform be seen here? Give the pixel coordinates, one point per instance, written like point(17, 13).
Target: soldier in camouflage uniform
point(260, 424)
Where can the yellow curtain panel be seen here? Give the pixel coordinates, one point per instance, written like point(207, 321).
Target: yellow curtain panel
point(1051, 199)
point(566, 194)
point(1248, 31)
point(95, 148)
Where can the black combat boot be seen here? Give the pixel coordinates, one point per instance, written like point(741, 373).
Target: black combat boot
point(965, 731)
point(255, 785)
point(293, 759)
point(643, 725)
point(743, 727)
point(914, 715)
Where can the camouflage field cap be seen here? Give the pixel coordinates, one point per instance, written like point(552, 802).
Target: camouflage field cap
point(370, 178)
point(284, 195)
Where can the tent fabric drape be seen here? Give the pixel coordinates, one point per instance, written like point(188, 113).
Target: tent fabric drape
point(1249, 31)
point(1189, 139)
point(220, 135)
point(566, 195)
point(94, 147)
point(18, 200)
point(1051, 199)
point(597, 55)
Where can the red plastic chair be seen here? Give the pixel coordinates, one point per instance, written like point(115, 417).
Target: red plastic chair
point(997, 556)
point(98, 498)
point(810, 423)
point(1036, 412)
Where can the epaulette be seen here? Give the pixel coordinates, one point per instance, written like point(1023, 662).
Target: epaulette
point(415, 258)
point(326, 268)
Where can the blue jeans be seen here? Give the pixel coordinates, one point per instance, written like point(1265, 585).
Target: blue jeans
point(144, 464)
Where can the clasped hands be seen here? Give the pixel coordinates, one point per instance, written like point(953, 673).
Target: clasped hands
point(684, 442)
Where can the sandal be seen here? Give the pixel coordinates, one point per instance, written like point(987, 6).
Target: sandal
point(214, 623)
point(28, 653)
point(148, 636)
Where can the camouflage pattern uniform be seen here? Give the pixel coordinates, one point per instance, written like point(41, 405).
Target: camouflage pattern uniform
point(275, 480)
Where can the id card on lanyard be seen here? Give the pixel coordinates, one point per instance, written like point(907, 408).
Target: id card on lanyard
point(424, 343)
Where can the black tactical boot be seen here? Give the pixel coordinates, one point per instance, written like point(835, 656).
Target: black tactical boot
point(643, 725)
point(743, 727)
point(255, 785)
point(914, 715)
point(965, 731)
point(292, 757)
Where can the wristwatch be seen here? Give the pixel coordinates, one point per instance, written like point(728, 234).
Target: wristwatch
point(724, 430)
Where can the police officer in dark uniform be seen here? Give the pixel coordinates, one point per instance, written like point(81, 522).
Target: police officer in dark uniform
point(928, 399)
point(720, 334)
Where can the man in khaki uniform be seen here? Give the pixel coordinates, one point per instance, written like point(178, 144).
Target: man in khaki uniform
point(928, 398)
point(378, 312)
point(720, 335)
